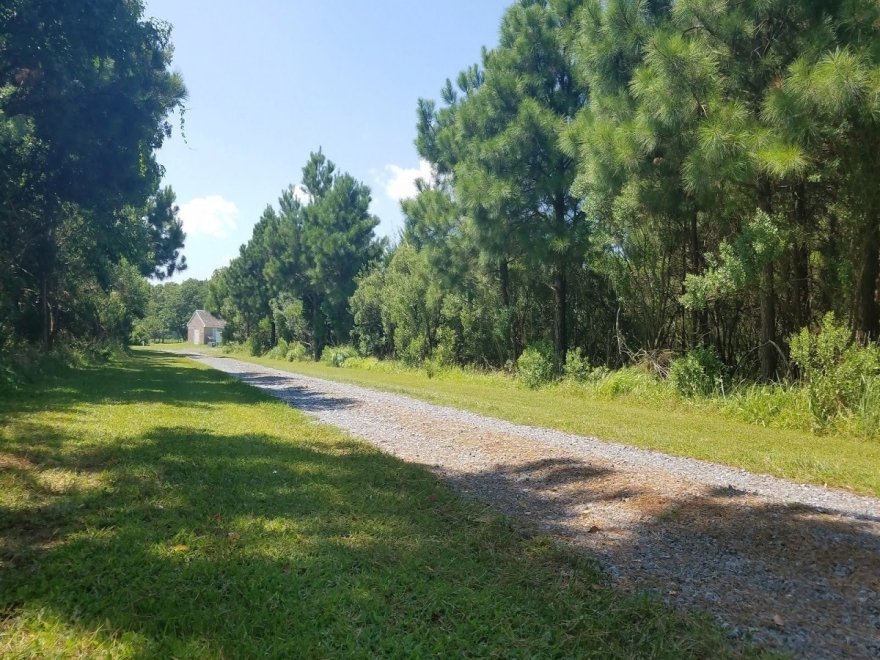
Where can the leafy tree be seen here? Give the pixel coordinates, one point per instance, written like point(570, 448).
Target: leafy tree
point(302, 262)
point(501, 142)
point(85, 91)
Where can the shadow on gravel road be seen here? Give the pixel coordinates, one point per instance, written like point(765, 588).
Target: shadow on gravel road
point(788, 575)
point(300, 397)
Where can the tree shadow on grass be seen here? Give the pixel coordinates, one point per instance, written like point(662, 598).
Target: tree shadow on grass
point(188, 542)
point(753, 563)
point(146, 377)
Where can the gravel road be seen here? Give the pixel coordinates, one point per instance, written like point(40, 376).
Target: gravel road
point(791, 566)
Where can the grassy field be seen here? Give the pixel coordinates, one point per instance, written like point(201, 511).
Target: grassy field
point(154, 508)
point(668, 425)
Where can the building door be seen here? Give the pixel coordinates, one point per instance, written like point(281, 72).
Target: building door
point(197, 336)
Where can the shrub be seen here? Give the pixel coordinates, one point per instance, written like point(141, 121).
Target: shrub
point(255, 345)
point(837, 374)
point(279, 351)
point(535, 366)
point(868, 410)
point(261, 340)
point(773, 405)
point(335, 356)
point(699, 373)
point(432, 366)
point(631, 380)
point(577, 366)
point(444, 350)
point(297, 352)
point(412, 352)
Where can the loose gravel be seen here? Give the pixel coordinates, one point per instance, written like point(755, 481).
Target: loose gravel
point(791, 566)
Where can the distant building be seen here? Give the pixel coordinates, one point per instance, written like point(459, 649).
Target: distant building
point(204, 328)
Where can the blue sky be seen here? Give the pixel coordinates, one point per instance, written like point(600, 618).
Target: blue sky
point(270, 81)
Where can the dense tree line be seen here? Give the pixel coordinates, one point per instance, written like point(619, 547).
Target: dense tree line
point(635, 176)
point(168, 309)
point(629, 178)
point(85, 95)
point(294, 278)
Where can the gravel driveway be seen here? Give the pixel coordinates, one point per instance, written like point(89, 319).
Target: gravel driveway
point(792, 566)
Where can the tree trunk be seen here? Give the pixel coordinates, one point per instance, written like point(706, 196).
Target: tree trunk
point(700, 317)
point(504, 278)
point(46, 313)
point(317, 334)
point(800, 261)
point(869, 310)
point(769, 355)
point(768, 352)
point(514, 336)
point(800, 284)
point(560, 307)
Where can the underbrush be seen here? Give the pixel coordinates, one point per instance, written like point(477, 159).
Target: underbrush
point(23, 362)
point(838, 392)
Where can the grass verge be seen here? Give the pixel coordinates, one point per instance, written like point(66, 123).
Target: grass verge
point(152, 507)
point(664, 424)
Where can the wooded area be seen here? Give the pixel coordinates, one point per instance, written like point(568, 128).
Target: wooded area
point(628, 178)
point(85, 96)
point(614, 182)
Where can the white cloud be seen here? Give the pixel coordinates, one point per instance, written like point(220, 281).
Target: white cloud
point(210, 216)
point(300, 194)
point(400, 182)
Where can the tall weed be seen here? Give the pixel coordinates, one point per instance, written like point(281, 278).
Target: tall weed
point(835, 372)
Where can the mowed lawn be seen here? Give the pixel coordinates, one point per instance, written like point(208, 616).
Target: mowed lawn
point(670, 426)
point(152, 507)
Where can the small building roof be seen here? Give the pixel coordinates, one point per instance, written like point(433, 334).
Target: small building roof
point(205, 319)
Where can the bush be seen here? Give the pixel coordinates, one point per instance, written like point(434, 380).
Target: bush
point(868, 410)
point(577, 366)
point(837, 374)
point(535, 366)
point(444, 351)
point(279, 352)
point(261, 340)
point(335, 356)
point(297, 352)
point(772, 405)
point(699, 373)
point(631, 380)
point(255, 345)
point(432, 367)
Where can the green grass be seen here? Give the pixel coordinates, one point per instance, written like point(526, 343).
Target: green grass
point(154, 508)
point(648, 418)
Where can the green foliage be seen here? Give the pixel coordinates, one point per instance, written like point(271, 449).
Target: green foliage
point(867, 412)
point(297, 352)
point(261, 340)
point(84, 102)
point(260, 496)
point(337, 356)
point(632, 382)
point(301, 264)
point(776, 405)
point(535, 366)
point(839, 375)
point(700, 373)
point(279, 351)
point(577, 366)
point(739, 265)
